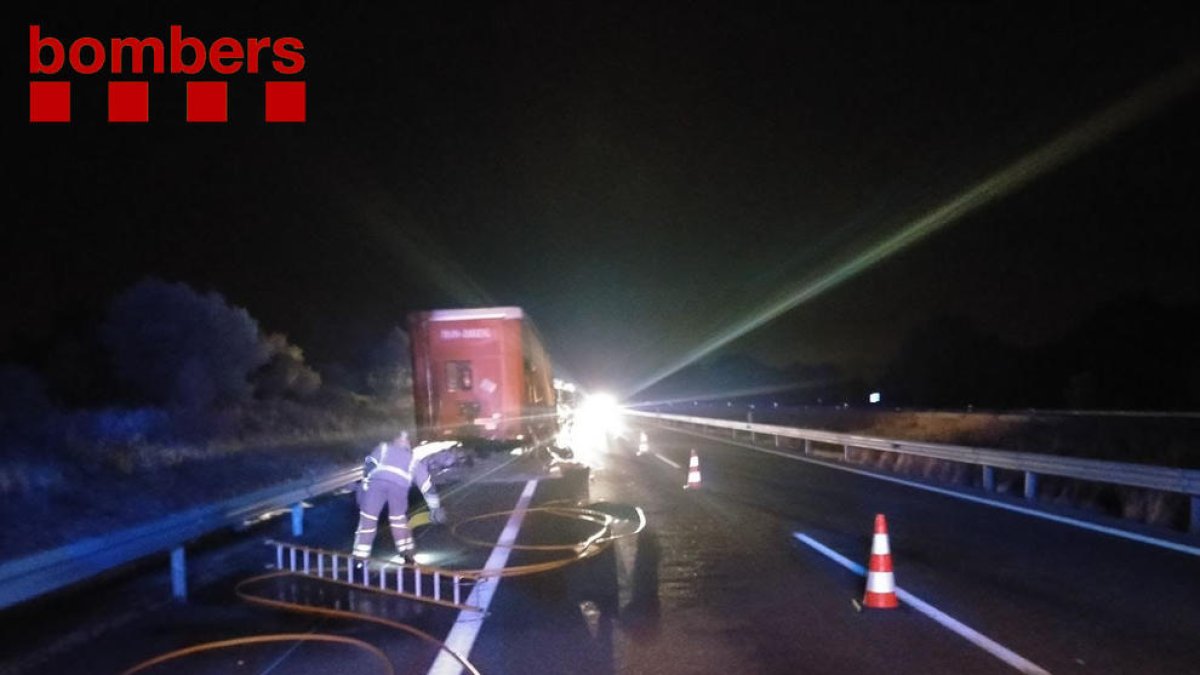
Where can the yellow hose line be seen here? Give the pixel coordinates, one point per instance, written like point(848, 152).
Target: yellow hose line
point(572, 504)
point(637, 530)
point(587, 548)
point(596, 517)
point(253, 599)
point(342, 614)
point(264, 639)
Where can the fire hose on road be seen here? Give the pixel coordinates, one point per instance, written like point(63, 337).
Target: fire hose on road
point(602, 530)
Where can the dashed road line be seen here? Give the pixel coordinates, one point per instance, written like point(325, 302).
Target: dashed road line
point(669, 462)
point(980, 640)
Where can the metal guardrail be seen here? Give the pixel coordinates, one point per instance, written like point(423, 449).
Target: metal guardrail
point(1167, 479)
point(47, 571)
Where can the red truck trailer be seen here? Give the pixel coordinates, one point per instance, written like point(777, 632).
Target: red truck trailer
point(481, 373)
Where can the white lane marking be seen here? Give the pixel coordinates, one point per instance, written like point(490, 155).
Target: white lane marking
point(1064, 520)
point(466, 627)
point(669, 462)
point(294, 647)
point(975, 637)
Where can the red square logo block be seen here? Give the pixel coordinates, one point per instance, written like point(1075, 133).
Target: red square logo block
point(49, 101)
point(128, 101)
point(207, 102)
point(285, 101)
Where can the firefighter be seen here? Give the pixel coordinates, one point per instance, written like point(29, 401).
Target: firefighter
point(391, 468)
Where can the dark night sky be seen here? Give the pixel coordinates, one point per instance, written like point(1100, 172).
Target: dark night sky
point(634, 174)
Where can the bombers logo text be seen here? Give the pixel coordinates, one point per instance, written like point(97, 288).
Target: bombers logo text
point(129, 99)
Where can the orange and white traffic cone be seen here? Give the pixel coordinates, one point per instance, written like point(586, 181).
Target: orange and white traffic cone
point(881, 582)
point(693, 482)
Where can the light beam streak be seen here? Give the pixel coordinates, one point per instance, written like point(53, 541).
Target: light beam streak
point(1125, 113)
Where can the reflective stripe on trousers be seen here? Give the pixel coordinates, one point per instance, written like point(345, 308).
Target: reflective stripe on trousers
point(395, 497)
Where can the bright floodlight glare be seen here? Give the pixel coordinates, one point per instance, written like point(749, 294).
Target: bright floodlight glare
point(602, 411)
point(596, 421)
point(1068, 145)
point(600, 401)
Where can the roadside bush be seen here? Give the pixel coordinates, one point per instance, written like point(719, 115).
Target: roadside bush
point(285, 374)
point(181, 348)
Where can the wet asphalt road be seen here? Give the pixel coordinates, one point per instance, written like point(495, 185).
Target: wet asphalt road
point(1067, 599)
point(715, 584)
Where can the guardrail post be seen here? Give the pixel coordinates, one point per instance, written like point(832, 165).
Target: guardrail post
point(845, 453)
point(297, 519)
point(1031, 481)
point(178, 573)
point(807, 447)
point(1194, 522)
point(989, 479)
point(776, 440)
point(750, 420)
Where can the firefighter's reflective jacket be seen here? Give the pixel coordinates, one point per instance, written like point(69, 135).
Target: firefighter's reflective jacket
point(396, 464)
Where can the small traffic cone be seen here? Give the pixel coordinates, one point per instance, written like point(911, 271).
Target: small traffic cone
point(693, 482)
point(881, 582)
